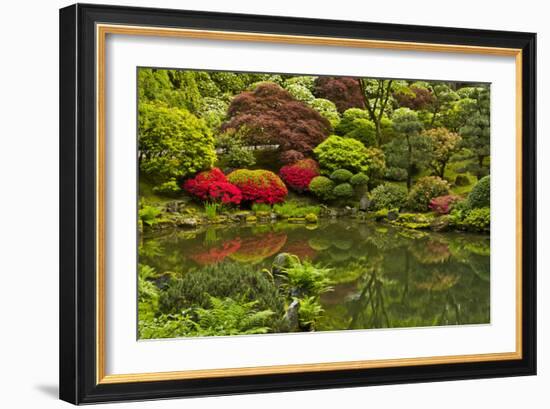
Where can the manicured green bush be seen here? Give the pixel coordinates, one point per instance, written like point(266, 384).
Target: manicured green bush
point(388, 196)
point(173, 143)
point(359, 179)
point(322, 187)
point(341, 175)
point(343, 191)
point(424, 191)
point(480, 196)
point(337, 152)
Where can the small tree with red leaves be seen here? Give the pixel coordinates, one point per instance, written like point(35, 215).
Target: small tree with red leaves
point(443, 204)
point(269, 115)
point(345, 92)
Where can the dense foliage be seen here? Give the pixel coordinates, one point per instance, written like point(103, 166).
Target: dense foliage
point(480, 196)
point(218, 154)
point(425, 190)
point(344, 92)
point(388, 196)
point(322, 187)
point(269, 115)
point(173, 142)
point(259, 186)
point(298, 175)
point(337, 152)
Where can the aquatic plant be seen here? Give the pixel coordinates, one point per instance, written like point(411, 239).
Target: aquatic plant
point(293, 209)
point(211, 209)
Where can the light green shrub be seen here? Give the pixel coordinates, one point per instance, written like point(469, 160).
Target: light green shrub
point(322, 187)
point(343, 191)
point(337, 152)
point(341, 175)
point(388, 196)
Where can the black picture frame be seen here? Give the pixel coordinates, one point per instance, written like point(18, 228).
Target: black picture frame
point(78, 382)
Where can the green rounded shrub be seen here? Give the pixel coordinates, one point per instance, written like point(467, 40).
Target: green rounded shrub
point(341, 175)
point(173, 142)
point(480, 196)
point(359, 179)
point(337, 152)
point(347, 123)
point(322, 187)
point(343, 191)
point(388, 196)
point(424, 191)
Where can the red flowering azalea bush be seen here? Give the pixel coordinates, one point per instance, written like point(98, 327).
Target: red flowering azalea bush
point(212, 185)
point(442, 204)
point(298, 175)
point(259, 186)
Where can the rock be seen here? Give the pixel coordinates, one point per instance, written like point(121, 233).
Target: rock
point(333, 213)
point(354, 211)
point(281, 262)
point(364, 204)
point(290, 318)
point(311, 218)
point(187, 222)
point(392, 215)
point(171, 207)
point(241, 216)
point(273, 216)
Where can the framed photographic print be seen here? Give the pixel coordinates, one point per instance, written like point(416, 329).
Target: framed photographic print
point(257, 203)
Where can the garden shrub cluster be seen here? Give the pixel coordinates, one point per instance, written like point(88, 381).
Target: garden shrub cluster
point(388, 196)
point(259, 186)
point(425, 190)
point(443, 204)
point(213, 186)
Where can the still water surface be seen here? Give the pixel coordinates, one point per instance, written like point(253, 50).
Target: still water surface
point(383, 277)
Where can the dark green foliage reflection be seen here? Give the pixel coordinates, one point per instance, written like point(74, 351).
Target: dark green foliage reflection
point(381, 276)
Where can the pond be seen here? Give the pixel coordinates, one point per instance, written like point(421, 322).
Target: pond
point(382, 276)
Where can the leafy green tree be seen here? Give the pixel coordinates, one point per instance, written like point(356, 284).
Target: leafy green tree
point(476, 131)
point(173, 143)
point(443, 144)
point(409, 147)
point(376, 94)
